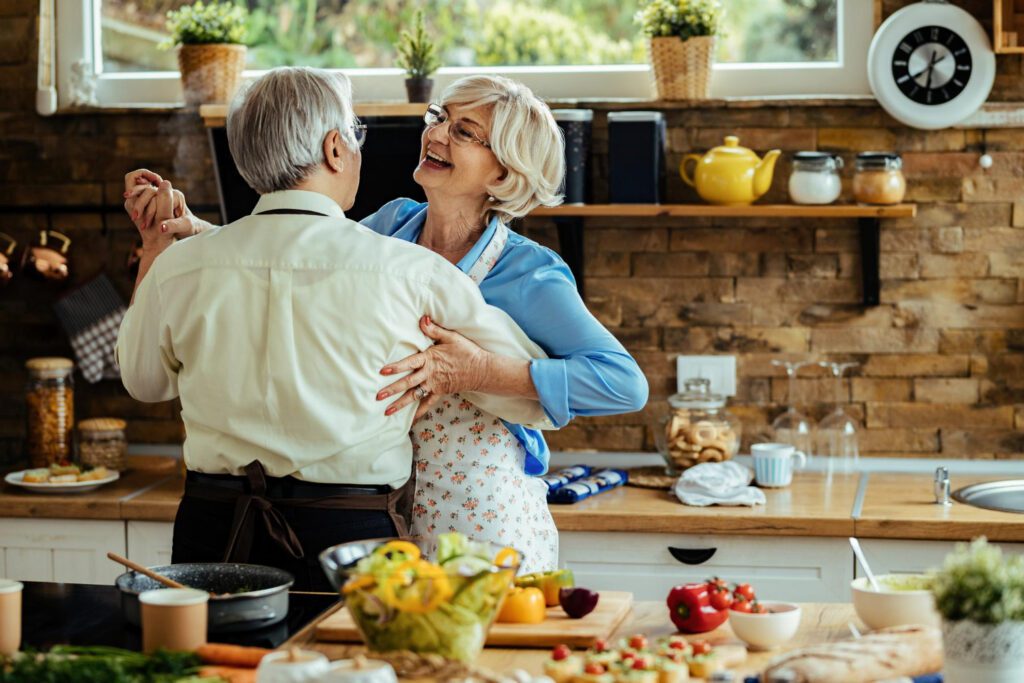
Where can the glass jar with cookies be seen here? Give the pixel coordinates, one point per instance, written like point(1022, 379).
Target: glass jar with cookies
point(102, 443)
point(698, 428)
point(50, 411)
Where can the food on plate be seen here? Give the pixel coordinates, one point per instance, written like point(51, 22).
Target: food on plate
point(549, 582)
point(563, 665)
point(63, 473)
point(690, 608)
point(578, 602)
point(401, 601)
point(523, 606)
point(58, 469)
point(886, 654)
point(636, 660)
point(94, 474)
point(63, 479)
point(39, 475)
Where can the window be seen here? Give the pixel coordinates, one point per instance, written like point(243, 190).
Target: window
point(561, 48)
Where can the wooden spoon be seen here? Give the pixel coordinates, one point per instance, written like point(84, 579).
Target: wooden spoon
point(170, 583)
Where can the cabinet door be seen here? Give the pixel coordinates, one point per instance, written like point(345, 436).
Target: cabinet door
point(648, 565)
point(149, 543)
point(898, 556)
point(64, 550)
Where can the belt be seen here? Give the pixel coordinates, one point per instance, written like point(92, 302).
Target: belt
point(253, 499)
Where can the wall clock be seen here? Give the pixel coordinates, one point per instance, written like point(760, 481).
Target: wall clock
point(931, 65)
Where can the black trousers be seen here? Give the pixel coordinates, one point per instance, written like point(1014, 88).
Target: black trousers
point(202, 529)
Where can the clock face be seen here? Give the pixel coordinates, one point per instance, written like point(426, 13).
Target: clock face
point(932, 65)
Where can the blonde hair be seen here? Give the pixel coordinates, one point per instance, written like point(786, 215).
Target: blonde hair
point(525, 139)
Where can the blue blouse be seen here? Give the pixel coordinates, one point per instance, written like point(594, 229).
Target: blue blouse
point(588, 372)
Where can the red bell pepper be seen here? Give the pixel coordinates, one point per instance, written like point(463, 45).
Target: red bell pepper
point(690, 609)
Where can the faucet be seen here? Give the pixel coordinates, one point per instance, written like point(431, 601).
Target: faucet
point(941, 486)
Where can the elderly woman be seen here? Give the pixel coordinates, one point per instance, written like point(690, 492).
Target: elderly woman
point(491, 152)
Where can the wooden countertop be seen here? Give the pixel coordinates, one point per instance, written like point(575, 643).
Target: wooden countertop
point(903, 506)
point(819, 623)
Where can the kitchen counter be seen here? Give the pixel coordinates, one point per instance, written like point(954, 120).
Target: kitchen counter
point(819, 623)
point(872, 505)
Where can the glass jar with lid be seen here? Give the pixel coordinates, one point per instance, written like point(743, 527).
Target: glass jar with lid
point(698, 428)
point(102, 443)
point(50, 414)
point(878, 178)
point(815, 178)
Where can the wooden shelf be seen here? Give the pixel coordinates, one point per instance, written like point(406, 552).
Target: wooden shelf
point(707, 210)
point(1008, 27)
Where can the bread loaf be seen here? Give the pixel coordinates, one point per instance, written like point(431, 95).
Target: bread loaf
point(885, 654)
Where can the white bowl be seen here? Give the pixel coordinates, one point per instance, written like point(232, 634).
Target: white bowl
point(893, 608)
point(766, 631)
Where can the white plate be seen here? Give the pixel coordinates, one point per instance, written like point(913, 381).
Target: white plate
point(14, 478)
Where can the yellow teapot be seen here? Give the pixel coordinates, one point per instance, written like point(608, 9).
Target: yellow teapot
point(730, 174)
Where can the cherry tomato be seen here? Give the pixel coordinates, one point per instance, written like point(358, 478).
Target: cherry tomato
point(701, 647)
point(600, 645)
point(758, 608)
point(593, 668)
point(745, 590)
point(639, 664)
point(742, 606)
point(677, 644)
point(638, 642)
point(560, 652)
point(720, 599)
point(718, 583)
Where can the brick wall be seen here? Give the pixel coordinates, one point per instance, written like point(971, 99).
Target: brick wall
point(942, 357)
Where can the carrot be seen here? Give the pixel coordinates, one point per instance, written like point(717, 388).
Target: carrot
point(231, 674)
point(231, 655)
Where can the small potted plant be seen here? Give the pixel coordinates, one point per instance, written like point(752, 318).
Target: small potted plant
point(980, 594)
point(681, 43)
point(211, 53)
point(418, 56)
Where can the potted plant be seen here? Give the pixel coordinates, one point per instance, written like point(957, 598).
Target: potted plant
point(980, 594)
point(681, 43)
point(211, 53)
point(418, 56)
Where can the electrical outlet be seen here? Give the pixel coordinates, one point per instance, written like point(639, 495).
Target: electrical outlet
point(721, 370)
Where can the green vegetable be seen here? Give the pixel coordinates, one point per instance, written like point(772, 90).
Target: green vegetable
point(979, 583)
point(95, 664)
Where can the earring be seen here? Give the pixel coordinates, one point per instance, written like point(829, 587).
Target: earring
point(491, 199)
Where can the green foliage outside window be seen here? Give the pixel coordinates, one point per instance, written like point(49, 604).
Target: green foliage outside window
point(207, 22)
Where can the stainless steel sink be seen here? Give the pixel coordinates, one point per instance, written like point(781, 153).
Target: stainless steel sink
point(1005, 496)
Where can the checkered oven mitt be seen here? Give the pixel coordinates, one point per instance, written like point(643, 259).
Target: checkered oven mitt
point(91, 316)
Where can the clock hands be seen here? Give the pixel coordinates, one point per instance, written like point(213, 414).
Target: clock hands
point(931, 66)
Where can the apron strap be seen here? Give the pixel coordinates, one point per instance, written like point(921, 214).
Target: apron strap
point(248, 507)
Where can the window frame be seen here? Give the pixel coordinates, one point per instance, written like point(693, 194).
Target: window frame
point(77, 33)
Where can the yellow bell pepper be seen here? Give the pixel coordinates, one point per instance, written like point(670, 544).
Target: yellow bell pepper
point(523, 606)
point(410, 550)
point(416, 586)
point(507, 557)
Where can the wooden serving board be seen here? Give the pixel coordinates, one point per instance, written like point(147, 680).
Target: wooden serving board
point(612, 609)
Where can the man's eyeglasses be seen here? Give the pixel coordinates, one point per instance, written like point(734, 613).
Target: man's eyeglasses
point(359, 130)
point(459, 132)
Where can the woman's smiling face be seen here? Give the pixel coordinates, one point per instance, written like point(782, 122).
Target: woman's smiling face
point(455, 158)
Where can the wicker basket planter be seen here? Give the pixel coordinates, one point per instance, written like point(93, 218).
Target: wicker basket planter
point(682, 69)
point(210, 73)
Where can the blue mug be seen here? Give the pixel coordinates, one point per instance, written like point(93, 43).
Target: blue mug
point(773, 463)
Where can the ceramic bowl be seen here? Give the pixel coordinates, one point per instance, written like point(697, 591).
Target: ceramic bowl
point(766, 631)
point(893, 607)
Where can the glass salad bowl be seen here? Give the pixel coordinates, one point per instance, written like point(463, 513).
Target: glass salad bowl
point(401, 601)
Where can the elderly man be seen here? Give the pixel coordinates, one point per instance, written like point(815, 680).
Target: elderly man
point(272, 331)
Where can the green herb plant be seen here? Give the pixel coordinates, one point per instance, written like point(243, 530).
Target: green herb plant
point(97, 664)
point(204, 23)
point(683, 18)
point(416, 51)
point(979, 583)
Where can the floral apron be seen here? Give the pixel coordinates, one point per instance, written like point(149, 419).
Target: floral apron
point(470, 474)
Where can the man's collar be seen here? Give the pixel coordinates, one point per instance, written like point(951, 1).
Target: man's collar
point(298, 199)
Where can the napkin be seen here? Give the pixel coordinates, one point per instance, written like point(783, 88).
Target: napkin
point(718, 483)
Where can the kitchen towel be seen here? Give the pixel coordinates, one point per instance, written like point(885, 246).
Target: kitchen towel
point(91, 315)
point(598, 482)
point(718, 483)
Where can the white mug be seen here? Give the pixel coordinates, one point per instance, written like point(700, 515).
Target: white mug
point(773, 463)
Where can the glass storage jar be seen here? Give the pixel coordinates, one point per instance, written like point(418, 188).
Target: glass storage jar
point(698, 428)
point(50, 413)
point(815, 178)
point(102, 443)
point(878, 178)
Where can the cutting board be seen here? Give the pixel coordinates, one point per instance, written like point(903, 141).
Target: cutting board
point(612, 609)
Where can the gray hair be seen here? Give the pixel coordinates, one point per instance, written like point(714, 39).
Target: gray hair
point(277, 125)
point(524, 138)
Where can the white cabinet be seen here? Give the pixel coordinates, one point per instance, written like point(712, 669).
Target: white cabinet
point(63, 550)
point(899, 556)
point(779, 568)
point(149, 543)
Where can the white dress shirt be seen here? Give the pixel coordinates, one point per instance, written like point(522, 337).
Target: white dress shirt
point(273, 330)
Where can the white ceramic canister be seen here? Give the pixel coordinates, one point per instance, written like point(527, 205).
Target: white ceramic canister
point(292, 666)
point(360, 670)
point(815, 178)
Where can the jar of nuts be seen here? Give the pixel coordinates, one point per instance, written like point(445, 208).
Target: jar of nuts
point(102, 443)
point(50, 413)
point(697, 429)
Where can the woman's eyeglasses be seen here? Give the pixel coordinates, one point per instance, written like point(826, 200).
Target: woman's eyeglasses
point(459, 132)
point(359, 130)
